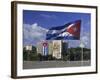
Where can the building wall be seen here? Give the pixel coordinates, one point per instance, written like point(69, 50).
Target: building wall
point(39, 48)
point(50, 48)
point(28, 47)
point(57, 47)
point(64, 48)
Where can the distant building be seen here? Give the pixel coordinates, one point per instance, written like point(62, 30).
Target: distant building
point(57, 49)
point(42, 48)
point(28, 50)
point(64, 47)
point(65, 52)
point(28, 47)
point(39, 48)
point(45, 48)
point(50, 47)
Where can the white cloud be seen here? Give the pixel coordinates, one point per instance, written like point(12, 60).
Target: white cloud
point(33, 33)
point(86, 39)
point(48, 16)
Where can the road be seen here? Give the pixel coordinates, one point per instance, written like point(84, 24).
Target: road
point(53, 64)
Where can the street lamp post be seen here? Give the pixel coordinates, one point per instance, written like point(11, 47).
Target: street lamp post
point(82, 46)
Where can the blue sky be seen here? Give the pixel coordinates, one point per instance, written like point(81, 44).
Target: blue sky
point(35, 22)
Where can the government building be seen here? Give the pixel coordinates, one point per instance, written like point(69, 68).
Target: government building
point(55, 48)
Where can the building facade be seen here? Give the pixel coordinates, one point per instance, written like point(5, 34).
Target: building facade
point(39, 48)
point(55, 48)
point(28, 47)
point(50, 47)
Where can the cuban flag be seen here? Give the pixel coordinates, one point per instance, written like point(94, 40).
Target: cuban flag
point(69, 31)
point(45, 48)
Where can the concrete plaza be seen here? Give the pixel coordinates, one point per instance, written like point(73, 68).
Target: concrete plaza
point(54, 64)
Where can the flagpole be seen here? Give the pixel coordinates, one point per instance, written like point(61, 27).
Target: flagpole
point(69, 50)
point(82, 56)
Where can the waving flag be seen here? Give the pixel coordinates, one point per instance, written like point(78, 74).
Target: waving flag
point(69, 31)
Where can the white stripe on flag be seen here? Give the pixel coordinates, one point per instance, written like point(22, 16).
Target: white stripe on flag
point(70, 26)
